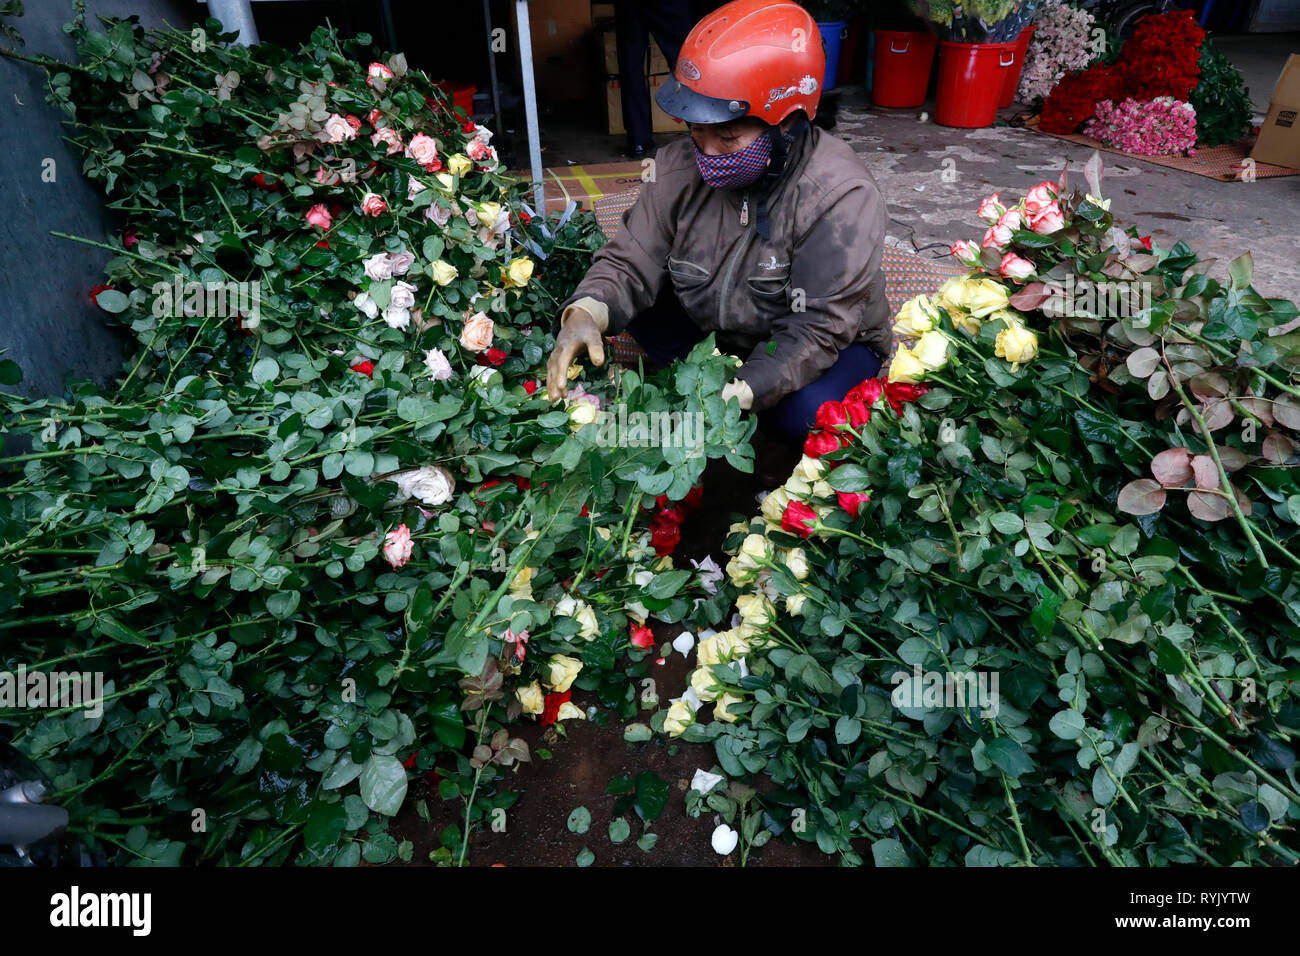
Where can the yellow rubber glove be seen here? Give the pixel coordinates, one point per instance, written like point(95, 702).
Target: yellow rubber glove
point(578, 331)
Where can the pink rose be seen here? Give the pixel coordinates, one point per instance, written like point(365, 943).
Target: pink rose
point(1014, 267)
point(327, 177)
point(372, 204)
point(477, 333)
point(437, 214)
point(997, 237)
point(966, 252)
point(337, 129)
point(398, 546)
point(390, 138)
point(1038, 198)
point(478, 150)
point(990, 209)
point(401, 262)
point(413, 187)
point(377, 71)
point(1012, 219)
point(319, 216)
point(1048, 220)
point(379, 267)
point(423, 149)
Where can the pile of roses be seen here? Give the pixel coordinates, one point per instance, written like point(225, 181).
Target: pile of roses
point(1061, 43)
point(1160, 127)
point(973, 631)
point(1161, 59)
point(328, 537)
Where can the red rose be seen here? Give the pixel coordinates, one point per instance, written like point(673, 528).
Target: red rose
point(866, 392)
point(851, 501)
point(522, 483)
point(530, 386)
point(551, 707)
point(496, 356)
point(693, 498)
point(468, 127)
point(830, 415)
point(409, 762)
point(665, 536)
point(584, 512)
point(260, 182)
point(858, 413)
point(643, 637)
point(798, 518)
point(661, 501)
point(820, 443)
point(1145, 242)
point(323, 244)
point(899, 393)
point(367, 368)
point(129, 238)
point(97, 290)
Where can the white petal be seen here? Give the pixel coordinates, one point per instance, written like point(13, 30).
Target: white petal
point(683, 642)
point(724, 839)
point(692, 698)
point(704, 781)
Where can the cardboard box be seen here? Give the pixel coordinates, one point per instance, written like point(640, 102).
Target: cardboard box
point(586, 183)
point(1279, 134)
point(660, 122)
point(561, 33)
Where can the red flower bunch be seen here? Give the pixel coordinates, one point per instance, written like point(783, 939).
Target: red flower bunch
point(666, 525)
point(798, 519)
point(551, 707)
point(831, 427)
point(1162, 58)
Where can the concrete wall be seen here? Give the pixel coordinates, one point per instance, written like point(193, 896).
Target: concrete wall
point(48, 325)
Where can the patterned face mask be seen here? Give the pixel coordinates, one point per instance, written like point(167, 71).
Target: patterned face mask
point(741, 168)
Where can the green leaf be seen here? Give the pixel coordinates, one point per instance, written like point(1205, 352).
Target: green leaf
point(579, 820)
point(889, 852)
point(1009, 757)
point(110, 300)
point(798, 730)
point(647, 841)
point(383, 784)
point(850, 478)
point(619, 830)
point(585, 857)
point(847, 730)
point(1067, 724)
point(1241, 270)
point(10, 372)
point(668, 583)
point(265, 370)
point(324, 826)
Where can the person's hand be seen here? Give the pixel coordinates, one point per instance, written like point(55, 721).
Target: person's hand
point(579, 332)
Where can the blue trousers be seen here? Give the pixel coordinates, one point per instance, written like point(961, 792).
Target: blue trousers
point(667, 333)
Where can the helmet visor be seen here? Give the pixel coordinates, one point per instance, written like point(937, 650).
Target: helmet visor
point(679, 100)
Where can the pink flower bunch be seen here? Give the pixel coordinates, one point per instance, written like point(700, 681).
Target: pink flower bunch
point(1159, 127)
point(1062, 42)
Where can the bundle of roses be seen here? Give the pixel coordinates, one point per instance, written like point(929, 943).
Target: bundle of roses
point(1062, 42)
point(319, 541)
point(966, 639)
point(1159, 127)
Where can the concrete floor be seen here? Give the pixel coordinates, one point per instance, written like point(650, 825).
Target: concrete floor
point(933, 176)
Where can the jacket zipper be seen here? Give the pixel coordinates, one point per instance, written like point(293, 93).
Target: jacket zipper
point(735, 259)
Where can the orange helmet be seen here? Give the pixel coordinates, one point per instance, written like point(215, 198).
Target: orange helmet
point(760, 58)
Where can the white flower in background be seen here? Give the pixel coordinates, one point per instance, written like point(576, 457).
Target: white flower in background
point(431, 484)
point(379, 267)
point(703, 781)
point(367, 305)
point(724, 839)
point(642, 578)
point(710, 574)
point(401, 262)
point(397, 318)
point(435, 360)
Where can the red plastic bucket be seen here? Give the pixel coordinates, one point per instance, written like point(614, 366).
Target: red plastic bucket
point(970, 82)
point(902, 71)
point(461, 93)
point(1012, 80)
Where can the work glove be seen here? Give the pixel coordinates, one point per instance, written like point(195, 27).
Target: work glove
point(578, 331)
point(739, 390)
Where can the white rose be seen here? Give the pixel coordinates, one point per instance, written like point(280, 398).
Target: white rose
point(397, 318)
point(431, 484)
point(435, 360)
point(402, 296)
point(401, 262)
point(367, 305)
point(379, 267)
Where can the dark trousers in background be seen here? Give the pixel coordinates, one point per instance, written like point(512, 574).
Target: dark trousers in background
point(667, 333)
point(636, 21)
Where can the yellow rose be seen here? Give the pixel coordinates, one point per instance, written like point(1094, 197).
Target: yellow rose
point(586, 618)
point(458, 164)
point(794, 604)
point(796, 487)
point(740, 527)
point(986, 296)
point(965, 321)
point(931, 350)
point(531, 698)
point(1009, 316)
point(663, 564)
point(796, 562)
point(1097, 201)
point(720, 711)
point(1017, 344)
point(722, 648)
point(560, 672)
point(905, 367)
point(487, 213)
point(917, 315)
point(740, 572)
point(569, 711)
point(574, 371)
point(522, 583)
point(774, 505)
point(810, 469)
point(754, 550)
point(443, 272)
point(445, 180)
point(755, 610)
point(679, 717)
point(822, 489)
point(704, 684)
point(582, 413)
point(518, 272)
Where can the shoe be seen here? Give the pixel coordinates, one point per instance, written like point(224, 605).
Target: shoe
point(641, 152)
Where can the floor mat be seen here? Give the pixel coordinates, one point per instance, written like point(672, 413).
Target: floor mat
point(1227, 163)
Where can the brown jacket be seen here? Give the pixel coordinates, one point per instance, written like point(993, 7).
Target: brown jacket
point(786, 305)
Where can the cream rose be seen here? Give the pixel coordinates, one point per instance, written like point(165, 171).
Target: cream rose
point(917, 315)
point(704, 684)
point(794, 604)
point(518, 272)
point(679, 717)
point(905, 367)
point(931, 350)
point(531, 698)
point(458, 164)
point(443, 272)
point(1017, 344)
point(561, 671)
point(720, 709)
point(796, 562)
point(477, 333)
point(755, 610)
point(774, 505)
